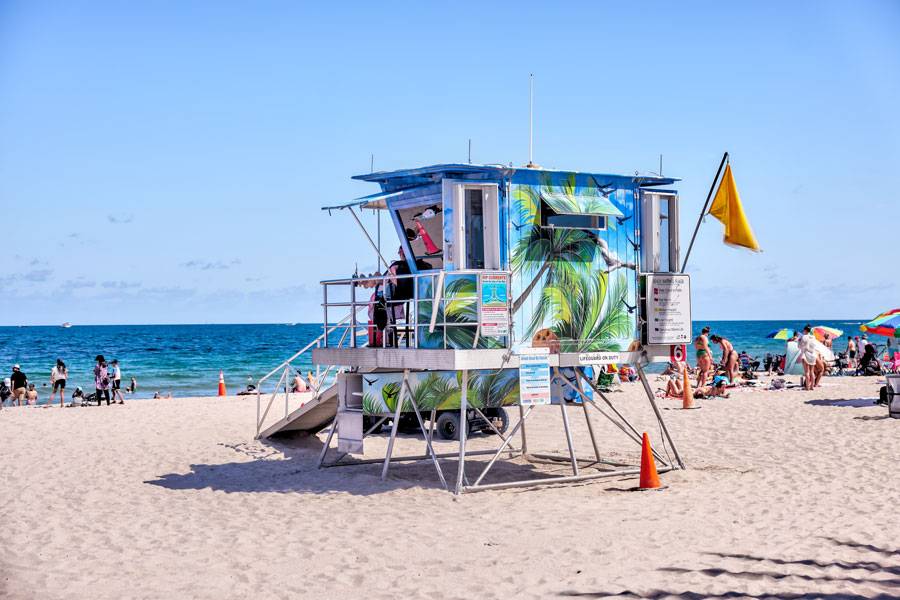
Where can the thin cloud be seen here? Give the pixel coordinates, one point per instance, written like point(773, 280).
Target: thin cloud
point(36, 275)
point(120, 285)
point(81, 282)
point(208, 266)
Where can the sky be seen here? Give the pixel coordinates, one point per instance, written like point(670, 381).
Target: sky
point(165, 162)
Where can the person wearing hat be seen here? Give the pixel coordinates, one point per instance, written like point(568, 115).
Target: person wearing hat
point(101, 379)
point(19, 384)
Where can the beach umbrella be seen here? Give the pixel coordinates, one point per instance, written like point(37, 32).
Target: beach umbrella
point(884, 324)
point(819, 332)
point(780, 334)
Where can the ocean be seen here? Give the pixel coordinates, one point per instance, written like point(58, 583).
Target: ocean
point(185, 360)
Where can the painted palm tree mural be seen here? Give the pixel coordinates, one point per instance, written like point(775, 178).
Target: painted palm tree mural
point(459, 309)
point(441, 390)
point(572, 281)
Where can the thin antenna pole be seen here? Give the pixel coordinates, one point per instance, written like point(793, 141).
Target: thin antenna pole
point(531, 125)
point(372, 165)
point(660, 165)
point(470, 151)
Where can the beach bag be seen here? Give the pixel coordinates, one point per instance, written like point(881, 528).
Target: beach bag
point(778, 384)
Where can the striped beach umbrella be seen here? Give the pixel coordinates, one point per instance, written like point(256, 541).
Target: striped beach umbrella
point(819, 332)
point(780, 334)
point(884, 324)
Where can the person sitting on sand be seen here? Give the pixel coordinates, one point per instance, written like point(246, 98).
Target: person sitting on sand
point(704, 356)
point(676, 368)
point(298, 384)
point(78, 397)
point(674, 388)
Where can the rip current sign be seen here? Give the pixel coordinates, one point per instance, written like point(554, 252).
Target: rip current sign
point(493, 310)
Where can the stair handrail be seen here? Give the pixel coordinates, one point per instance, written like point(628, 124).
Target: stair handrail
point(287, 365)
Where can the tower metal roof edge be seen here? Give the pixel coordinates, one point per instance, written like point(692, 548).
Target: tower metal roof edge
point(384, 176)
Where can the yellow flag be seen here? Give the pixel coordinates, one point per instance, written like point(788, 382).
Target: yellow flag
point(727, 208)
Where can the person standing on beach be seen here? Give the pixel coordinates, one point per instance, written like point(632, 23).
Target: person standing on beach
point(730, 358)
point(19, 384)
point(806, 344)
point(851, 352)
point(116, 381)
point(133, 387)
point(704, 356)
point(31, 396)
point(58, 377)
point(101, 379)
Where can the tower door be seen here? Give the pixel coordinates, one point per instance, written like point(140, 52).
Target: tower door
point(659, 232)
point(475, 237)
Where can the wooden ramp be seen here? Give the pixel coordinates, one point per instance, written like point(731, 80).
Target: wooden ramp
point(316, 414)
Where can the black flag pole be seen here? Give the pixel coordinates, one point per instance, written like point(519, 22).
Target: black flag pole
point(703, 212)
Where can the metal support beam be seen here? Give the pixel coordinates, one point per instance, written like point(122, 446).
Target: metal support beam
point(503, 447)
point(390, 448)
point(659, 416)
point(565, 418)
point(429, 450)
point(550, 480)
point(463, 430)
point(368, 237)
point(327, 443)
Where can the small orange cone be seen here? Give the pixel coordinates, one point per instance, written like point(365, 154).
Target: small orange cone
point(222, 384)
point(649, 478)
point(688, 395)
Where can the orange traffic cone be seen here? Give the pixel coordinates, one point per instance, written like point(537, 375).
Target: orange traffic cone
point(688, 395)
point(649, 478)
point(222, 384)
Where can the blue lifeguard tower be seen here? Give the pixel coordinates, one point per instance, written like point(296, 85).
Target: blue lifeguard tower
point(517, 287)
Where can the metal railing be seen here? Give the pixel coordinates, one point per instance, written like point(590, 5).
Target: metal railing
point(409, 317)
point(315, 384)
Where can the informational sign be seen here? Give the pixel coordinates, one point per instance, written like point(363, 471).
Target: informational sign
point(534, 376)
point(598, 358)
point(668, 301)
point(677, 352)
point(494, 306)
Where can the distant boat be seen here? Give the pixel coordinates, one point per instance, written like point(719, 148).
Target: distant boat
point(66, 325)
point(290, 324)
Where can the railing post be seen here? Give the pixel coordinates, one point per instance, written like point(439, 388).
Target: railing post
point(353, 315)
point(287, 384)
point(325, 308)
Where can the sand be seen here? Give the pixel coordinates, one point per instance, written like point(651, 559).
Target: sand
point(786, 494)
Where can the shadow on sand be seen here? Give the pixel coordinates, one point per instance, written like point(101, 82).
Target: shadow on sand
point(287, 465)
point(756, 573)
point(844, 402)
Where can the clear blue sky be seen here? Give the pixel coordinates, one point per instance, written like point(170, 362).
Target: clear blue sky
point(164, 162)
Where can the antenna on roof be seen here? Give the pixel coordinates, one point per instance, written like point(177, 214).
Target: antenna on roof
point(660, 165)
point(372, 165)
point(531, 164)
point(470, 151)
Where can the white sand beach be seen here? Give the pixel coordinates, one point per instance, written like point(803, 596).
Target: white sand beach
point(786, 494)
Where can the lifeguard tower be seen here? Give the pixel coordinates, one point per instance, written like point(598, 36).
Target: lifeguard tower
point(518, 287)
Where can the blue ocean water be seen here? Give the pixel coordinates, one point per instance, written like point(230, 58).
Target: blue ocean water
point(186, 359)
